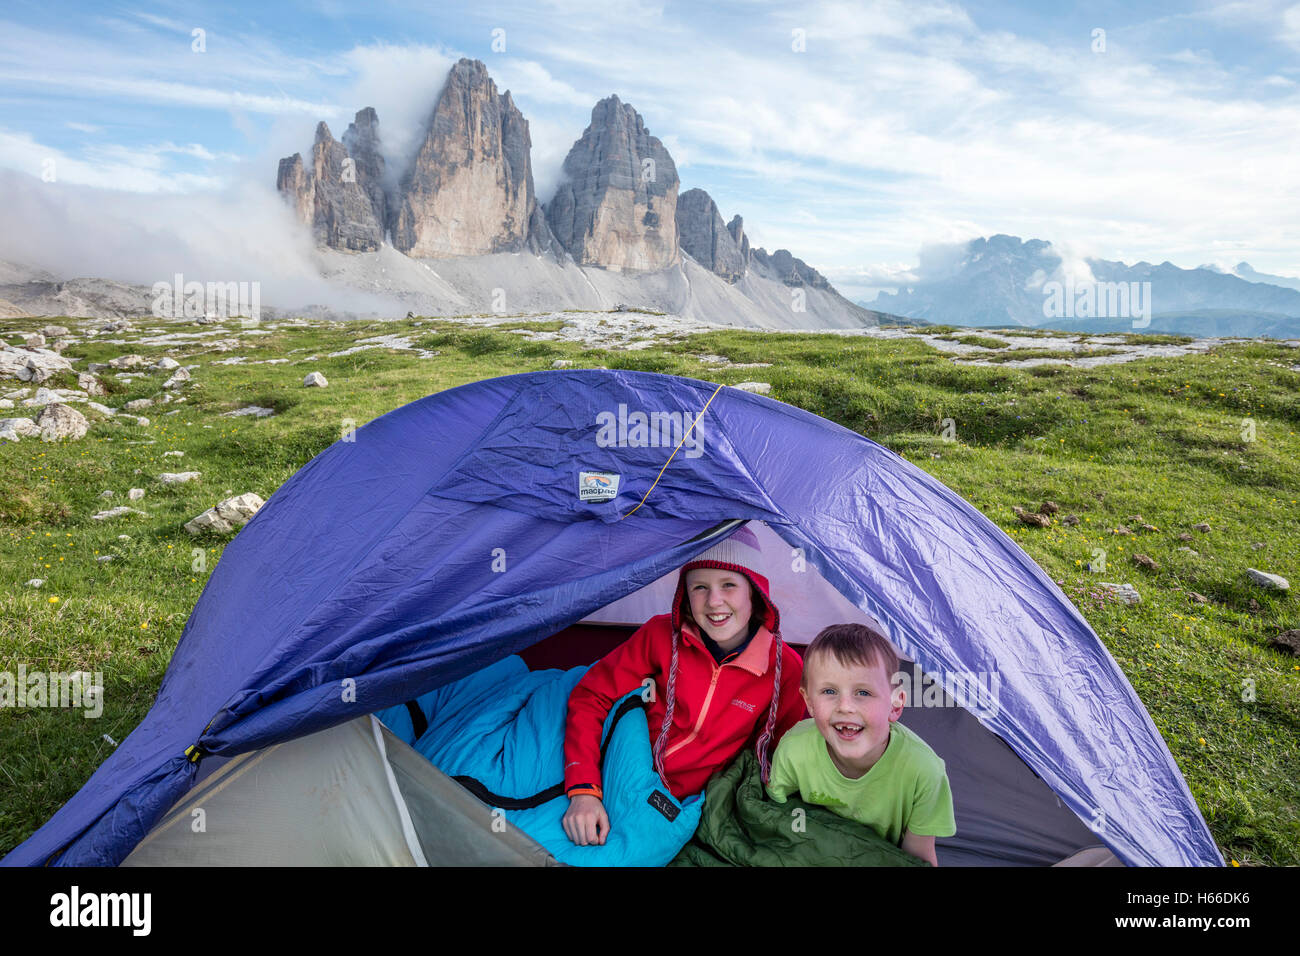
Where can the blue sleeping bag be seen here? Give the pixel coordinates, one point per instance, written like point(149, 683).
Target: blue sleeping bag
point(504, 727)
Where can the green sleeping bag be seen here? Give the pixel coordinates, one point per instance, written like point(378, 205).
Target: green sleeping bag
point(740, 826)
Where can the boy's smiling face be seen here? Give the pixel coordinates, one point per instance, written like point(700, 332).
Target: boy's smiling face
point(721, 604)
point(854, 706)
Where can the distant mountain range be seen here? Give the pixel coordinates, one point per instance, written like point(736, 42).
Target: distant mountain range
point(1005, 282)
point(462, 228)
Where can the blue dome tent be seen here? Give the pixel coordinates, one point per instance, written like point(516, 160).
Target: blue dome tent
point(479, 522)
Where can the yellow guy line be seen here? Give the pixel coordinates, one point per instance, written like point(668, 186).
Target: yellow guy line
point(685, 434)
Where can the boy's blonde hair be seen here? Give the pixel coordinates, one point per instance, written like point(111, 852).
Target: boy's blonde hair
point(856, 644)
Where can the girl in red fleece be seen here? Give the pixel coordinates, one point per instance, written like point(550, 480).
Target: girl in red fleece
point(722, 676)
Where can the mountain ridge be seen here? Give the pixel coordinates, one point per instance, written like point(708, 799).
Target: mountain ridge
point(469, 193)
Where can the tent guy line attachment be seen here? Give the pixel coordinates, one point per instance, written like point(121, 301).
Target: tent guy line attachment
point(685, 435)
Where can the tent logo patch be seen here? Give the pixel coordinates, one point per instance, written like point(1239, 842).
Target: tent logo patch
point(661, 802)
point(597, 486)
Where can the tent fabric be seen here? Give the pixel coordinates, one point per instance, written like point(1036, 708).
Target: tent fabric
point(325, 800)
point(450, 533)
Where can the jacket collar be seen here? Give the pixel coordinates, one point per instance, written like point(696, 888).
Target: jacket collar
point(754, 658)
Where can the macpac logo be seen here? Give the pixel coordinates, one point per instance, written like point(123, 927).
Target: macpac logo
point(102, 909)
point(744, 705)
point(597, 486)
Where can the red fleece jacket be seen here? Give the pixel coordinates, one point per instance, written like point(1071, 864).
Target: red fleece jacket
point(720, 709)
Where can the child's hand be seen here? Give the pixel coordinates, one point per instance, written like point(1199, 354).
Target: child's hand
point(585, 822)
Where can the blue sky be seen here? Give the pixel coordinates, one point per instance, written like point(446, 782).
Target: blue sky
point(899, 124)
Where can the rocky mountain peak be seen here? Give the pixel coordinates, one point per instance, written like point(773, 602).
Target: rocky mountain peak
point(618, 205)
point(704, 237)
point(333, 195)
point(737, 229)
point(470, 189)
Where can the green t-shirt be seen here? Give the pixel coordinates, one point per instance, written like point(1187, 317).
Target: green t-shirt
point(907, 789)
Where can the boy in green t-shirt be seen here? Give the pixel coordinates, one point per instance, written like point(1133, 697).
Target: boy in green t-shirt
point(852, 756)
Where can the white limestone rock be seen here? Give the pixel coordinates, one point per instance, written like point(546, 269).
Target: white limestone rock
point(1273, 582)
point(115, 513)
point(58, 421)
point(226, 515)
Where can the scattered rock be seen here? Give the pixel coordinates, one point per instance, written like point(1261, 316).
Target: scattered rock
point(173, 454)
point(1287, 641)
point(16, 429)
point(31, 365)
point(1146, 561)
point(129, 361)
point(1070, 519)
point(1184, 537)
point(106, 493)
point(314, 380)
point(562, 363)
point(34, 341)
point(226, 515)
point(115, 513)
point(1124, 592)
point(1264, 579)
point(55, 331)
point(1148, 527)
point(104, 557)
point(135, 494)
point(1191, 551)
point(137, 404)
point(180, 377)
point(166, 364)
point(1048, 508)
point(1134, 519)
point(123, 537)
point(59, 421)
point(1203, 527)
point(247, 410)
point(1122, 529)
point(1257, 545)
point(1198, 598)
point(177, 478)
point(44, 396)
point(758, 388)
point(90, 385)
point(35, 582)
point(1030, 518)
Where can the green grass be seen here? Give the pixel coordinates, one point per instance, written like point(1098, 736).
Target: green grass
point(1166, 439)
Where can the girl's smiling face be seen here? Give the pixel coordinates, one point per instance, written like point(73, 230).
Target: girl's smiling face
point(721, 604)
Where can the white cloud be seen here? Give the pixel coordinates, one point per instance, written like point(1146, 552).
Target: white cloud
point(109, 167)
point(168, 92)
point(240, 233)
